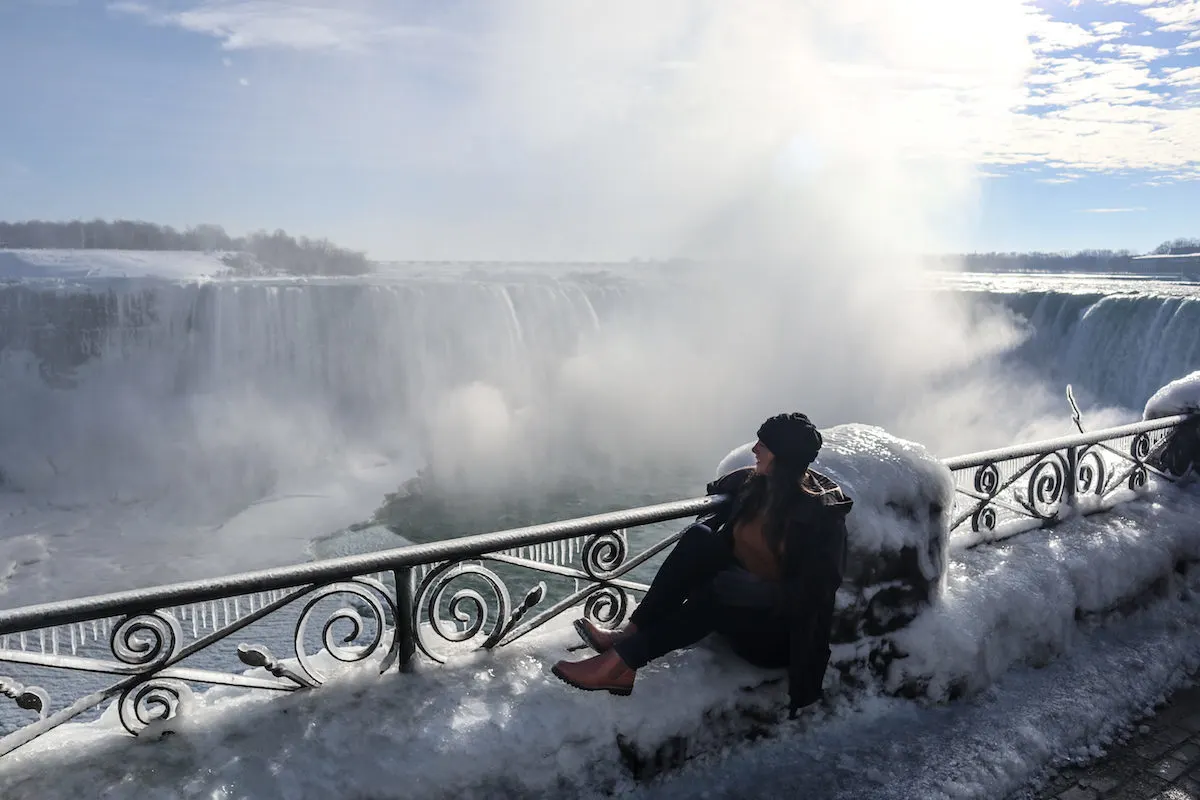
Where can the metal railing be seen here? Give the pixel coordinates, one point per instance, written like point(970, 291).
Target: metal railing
point(147, 648)
point(1003, 492)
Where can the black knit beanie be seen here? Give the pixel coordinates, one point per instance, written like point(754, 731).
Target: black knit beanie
point(792, 438)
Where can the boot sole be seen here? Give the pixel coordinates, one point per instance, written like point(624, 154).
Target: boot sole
point(619, 691)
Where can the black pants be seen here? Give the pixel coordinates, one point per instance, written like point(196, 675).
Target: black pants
point(680, 609)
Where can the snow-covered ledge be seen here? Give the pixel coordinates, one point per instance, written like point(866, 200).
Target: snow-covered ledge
point(1180, 396)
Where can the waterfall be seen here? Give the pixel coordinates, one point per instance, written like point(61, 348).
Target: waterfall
point(137, 386)
point(100, 374)
point(1117, 349)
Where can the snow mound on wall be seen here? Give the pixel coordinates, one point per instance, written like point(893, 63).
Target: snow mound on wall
point(902, 494)
point(1180, 396)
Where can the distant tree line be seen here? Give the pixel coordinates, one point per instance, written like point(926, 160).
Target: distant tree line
point(257, 253)
point(1178, 247)
point(1086, 260)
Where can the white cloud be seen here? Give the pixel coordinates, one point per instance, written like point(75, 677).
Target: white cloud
point(1051, 35)
point(1138, 52)
point(1111, 210)
point(1185, 77)
point(1172, 16)
point(973, 83)
point(1074, 81)
point(1179, 16)
point(1111, 112)
point(244, 81)
point(245, 24)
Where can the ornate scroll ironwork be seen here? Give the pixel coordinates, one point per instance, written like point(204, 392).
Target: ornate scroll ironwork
point(32, 698)
point(607, 607)
point(371, 592)
point(1091, 474)
point(464, 605)
point(146, 641)
point(1003, 492)
point(155, 700)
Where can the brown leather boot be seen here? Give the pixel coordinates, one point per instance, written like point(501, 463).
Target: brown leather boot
point(603, 673)
point(599, 639)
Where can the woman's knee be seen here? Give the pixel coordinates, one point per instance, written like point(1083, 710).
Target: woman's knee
point(703, 549)
point(697, 535)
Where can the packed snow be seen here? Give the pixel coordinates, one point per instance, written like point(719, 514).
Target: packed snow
point(1180, 396)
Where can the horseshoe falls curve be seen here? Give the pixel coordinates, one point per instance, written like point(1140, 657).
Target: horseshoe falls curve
point(1116, 350)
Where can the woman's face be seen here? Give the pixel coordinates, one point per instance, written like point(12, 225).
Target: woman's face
point(764, 459)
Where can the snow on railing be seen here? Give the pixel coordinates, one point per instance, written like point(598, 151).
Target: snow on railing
point(147, 648)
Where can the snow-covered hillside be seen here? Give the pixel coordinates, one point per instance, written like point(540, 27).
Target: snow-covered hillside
point(76, 264)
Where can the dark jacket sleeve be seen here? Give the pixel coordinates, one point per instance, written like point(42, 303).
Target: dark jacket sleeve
point(813, 573)
point(728, 484)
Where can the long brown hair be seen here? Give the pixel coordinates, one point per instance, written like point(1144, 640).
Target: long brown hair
point(785, 492)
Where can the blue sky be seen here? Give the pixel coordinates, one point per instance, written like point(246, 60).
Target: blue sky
point(549, 129)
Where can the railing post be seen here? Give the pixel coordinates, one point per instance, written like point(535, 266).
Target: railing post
point(1071, 479)
point(406, 634)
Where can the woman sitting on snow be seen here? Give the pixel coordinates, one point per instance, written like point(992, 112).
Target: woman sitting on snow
point(762, 572)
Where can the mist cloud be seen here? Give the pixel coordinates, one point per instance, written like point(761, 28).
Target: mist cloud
point(806, 153)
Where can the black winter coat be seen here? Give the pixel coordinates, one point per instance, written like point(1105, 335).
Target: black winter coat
point(814, 561)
